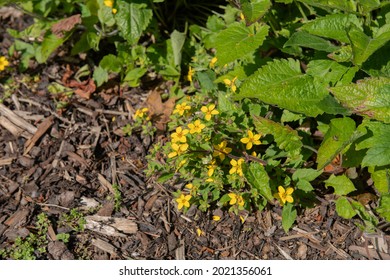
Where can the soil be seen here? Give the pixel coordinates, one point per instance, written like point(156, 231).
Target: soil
point(55, 160)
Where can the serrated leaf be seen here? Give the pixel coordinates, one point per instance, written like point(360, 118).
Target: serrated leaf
point(331, 72)
point(364, 46)
point(238, 40)
point(282, 83)
point(340, 134)
point(343, 5)
point(306, 174)
point(344, 209)
point(253, 10)
point(111, 63)
point(100, 76)
point(381, 180)
point(258, 178)
point(384, 207)
point(177, 41)
point(285, 137)
point(332, 26)
point(307, 40)
point(378, 153)
point(342, 184)
point(132, 19)
point(369, 97)
point(289, 214)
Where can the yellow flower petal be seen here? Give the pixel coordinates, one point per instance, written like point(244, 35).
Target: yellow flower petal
point(216, 218)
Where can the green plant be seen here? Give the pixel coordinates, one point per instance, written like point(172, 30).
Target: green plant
point(277, 101)
point(75, 220)
point(117, 197)
point(325, 77)
point(33, 246)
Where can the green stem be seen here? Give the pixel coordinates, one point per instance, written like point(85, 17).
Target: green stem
point(301, 10)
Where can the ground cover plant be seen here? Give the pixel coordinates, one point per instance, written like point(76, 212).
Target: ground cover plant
point(265, 103)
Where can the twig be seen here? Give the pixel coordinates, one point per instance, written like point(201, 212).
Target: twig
point(43, 107)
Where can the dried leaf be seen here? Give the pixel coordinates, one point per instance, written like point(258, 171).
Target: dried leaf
point(65, 25)
point(160, 111)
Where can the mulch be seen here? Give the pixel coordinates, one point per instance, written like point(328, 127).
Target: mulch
point(53, 161)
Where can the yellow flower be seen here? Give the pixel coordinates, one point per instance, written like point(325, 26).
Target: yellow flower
point(209, 111)
point(140, 113)
point(220, 150)
point(285, 195)
point(181, 108)
point(114, 11)
point(209, 180)
point(191, 73)
point(212, 62)
point(109, 3)
point(242, 16)
point(190, 186)
point(236, 199)
point(3, 63)
point(236, 166)
point(178, 149)
point(211, 168)
point(252, 139)
point(179, 135)
point(181, 164)
point(183, 200)
point(199, 232)
point(196, 127)
point(216, 218)
point(231, 84)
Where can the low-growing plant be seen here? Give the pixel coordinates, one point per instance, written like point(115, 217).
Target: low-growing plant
point(75, 220)
point(31, 247)
point(277, 101)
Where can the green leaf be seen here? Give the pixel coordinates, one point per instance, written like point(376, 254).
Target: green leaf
point(177, 41)
point(369, 97)
point(342, 184)
point(306, 174)
point(304, 185)
point(343, 5)
point(253, 10)
point(206, 79)
point(111, 63)
point(133, 76)
point(364, 46)
point(286, 137)
point(238, 40)
point(306, 40)
point(378, 153)
point(100, 76)
point(344, 209)
point(282, 83)
point(132, 19)
point(332, 26)
point(384, 207)
point(289, 214)
point(258, 178)
point(49, 44)
point(381, 180)
point(331, 72)
point(370, 220)
point(340, 134)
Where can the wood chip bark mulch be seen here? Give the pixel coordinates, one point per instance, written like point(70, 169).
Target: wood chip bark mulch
point(54, 161)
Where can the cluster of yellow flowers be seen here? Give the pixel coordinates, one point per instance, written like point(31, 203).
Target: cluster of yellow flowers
point(179, 146)
point(3, 63)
